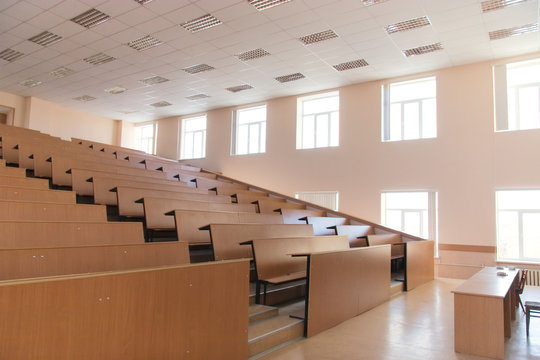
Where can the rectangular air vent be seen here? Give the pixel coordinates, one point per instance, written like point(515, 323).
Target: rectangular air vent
point(491, 5)
point(290, 77)
point(45, 38)
point(317, 37)
point(85, 98)
point(517, 30)
point(146, 42)
point(238, 88)
point(201, 23)
point(99, 59)
point(198, 68)
point(90, 18)
point(422, 50)
point(266, 4)
point(355, 64)
point(10, 55)
point(161, 104)
point(408, 25)
point(61, 72)
point(252, 54)
point(153, 80)
point(197, 97)
point(30, 83)
point(372, 2)
point(115, 90)
point(143, 2)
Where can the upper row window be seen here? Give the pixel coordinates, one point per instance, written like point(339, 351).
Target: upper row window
point(249, 130)
point(193, 138)
point(145, 138)
point(318, 121)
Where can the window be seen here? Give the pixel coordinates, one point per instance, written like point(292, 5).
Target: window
point(410, 110)
point(327, 199)
point(249, 130)
point(413, 212)
point(518, 225)
point(517, 95)
point(193, 138)
point(145, 138)
point(318, 121)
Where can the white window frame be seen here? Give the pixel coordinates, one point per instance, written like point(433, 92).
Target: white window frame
point(184, 153)
point(259, 128)
point(139, 140)
point(386, 110)
point(300, 123)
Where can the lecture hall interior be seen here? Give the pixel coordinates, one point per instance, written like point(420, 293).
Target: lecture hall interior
point(269, 179)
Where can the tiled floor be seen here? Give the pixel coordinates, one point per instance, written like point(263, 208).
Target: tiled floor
point(414, 325)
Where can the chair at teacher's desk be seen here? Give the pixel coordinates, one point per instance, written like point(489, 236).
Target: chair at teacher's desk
point(521, 286)
point(532, 309)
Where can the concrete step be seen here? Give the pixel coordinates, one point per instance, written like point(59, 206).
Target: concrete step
point(269, 333)
point(259, 312)
point(396, 288)
point(281, 293)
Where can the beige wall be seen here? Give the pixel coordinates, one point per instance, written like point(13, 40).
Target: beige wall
point(167, 137)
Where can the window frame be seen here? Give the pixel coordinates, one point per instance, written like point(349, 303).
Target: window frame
point(236, 130)
point(300, 121)
point(184, 142)
point(138, 140)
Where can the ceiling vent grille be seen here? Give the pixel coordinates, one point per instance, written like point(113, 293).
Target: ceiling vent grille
point(317, 37)
point(422, 50)
point(491, 5)
point(290, 77)
point(115, 90)
point(235, 89)
point(153, 80)
point(198, 68)
point(408, 25)
point(143, 2)
point(201, 23)
point(197, 97)
point(372, 2)
point(10, 55)
point(252, 54)
point(266, 4)
point(355, 64)
point(30, 83)
point(517, 30)
point(161, 104)
point(45, 38)
point(90, 18)
point(85, 98)
point(146, 42)
point(99, 59)
point(61, 72)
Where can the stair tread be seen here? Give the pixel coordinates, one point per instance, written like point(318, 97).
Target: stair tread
point(255, 309)
point(270, 325)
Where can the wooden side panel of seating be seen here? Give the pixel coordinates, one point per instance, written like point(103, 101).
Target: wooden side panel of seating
point(271, 205)
point(156, 208)
point(353, 232)
point(2, 162)
point(24, 210)
point(344, 284)
point(322, 223)
point(249, 197)
point(392, 239)
point(163, 313)
point(12, 171)
point(10, 150)
point(104, 195)
point(226, 238)
point(34, 234)
point(33, 263)
point(273, 256)
point(28, 183)
point(188, 222)
point(204, 183)
point(419, 263)
point(23, 194)
point(293, 216)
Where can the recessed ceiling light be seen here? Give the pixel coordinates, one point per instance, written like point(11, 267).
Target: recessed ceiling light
point(99, 59)
point(266, 4)
point(85, 98)
point(146, 42)
point(372, 2)
point(45, 38)
point(491, 5)
point(10, 55)
point(517, 30)
point(30, 83)
point(422, 50)
point(115, 90)
point(320, 36)
point(90, 18)
point(161, 104)
point(252, 54)
point(197, 97)
point(198, 68)
point(290, 77)
point(408, 25)
point(355, 64)
point(238, 88)
point(201, 23)
point(61, 72)
point(153, 80)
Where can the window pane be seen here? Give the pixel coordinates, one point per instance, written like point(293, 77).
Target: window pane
point(518, 199)
point(197, 144)
point(531, 235)
point(250, 115)
point(429, 118)
point(411, 121)
point(393, 219)
point(334, 129)
point(308, 132)
point(254, 138)
point(242, 140)
point(412, 222)
point(321, 105)
point(263, 137)
point(395, 122)
point(407, 200)
point(411, 90)
point(188, 146)
point(528, 108)
point(508, 235)
point(512, 112)
point(322, 130)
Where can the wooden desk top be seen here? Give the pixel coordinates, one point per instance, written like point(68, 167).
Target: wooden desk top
point(486, 282)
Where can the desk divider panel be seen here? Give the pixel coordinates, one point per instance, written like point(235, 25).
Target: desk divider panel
point(419, 265)
point(27, 183)
point(184, 312)
point(39, 211)
point(42, 195)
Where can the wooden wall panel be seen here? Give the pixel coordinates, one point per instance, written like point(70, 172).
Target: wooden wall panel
point(420, 267)
point(344, 284)
point(185, 312)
